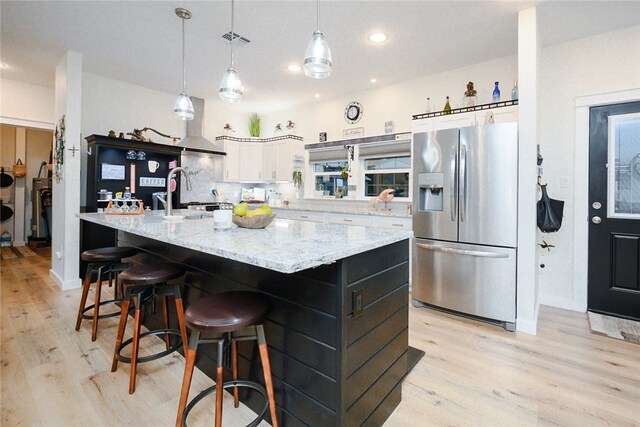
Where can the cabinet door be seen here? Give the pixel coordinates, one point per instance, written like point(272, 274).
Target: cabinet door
point(397, 223)
point(231, 161)
point(452, 121)
point(422, 125)
point(350, 219)
point(250, 161)
point(500, 115)
point(284, 161)
point(269, 161)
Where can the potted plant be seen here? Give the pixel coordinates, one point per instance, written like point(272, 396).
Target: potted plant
point(254, 125)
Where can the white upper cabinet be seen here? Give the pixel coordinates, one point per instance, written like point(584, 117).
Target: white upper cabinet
point(264, 160)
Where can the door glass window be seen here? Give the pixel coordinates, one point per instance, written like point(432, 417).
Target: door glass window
point(624, 156)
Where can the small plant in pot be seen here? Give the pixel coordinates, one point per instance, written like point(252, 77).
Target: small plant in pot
point(254, 125)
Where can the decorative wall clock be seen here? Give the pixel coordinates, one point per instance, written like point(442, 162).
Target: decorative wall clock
point(353, 112)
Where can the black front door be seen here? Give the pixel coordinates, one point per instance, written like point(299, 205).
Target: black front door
point(614, 210)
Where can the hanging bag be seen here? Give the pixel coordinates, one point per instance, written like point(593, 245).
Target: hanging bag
point(19, 169)
point(549, 212)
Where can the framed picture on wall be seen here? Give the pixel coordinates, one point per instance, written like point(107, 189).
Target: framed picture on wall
point(112, 172)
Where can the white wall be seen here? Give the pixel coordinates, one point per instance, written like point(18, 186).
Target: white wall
point(397, 102)
point(23, 104)
point(604, 63)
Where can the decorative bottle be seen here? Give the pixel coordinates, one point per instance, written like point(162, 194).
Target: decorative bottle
point(127, 193)
point(514, 91)
point(447, 107)
point(496, 93)
point(428, 107)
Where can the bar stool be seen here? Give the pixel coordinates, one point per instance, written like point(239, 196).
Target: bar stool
point(231, 317)
point(102, 261)
point(141, 284)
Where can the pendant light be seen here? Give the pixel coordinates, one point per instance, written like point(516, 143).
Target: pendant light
point(317, 58)
point(183, 107)
point(231, 86)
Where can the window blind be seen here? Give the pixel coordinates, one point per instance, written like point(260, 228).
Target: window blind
point(393, 149)
point(337, 154)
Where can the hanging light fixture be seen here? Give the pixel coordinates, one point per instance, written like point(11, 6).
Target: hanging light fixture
point(317, 58)
point(183, 107)
point(231, 86)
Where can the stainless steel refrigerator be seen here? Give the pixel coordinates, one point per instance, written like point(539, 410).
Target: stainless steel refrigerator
point(465, 194)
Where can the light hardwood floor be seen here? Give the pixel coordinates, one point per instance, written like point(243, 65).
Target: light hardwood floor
point(473, 374)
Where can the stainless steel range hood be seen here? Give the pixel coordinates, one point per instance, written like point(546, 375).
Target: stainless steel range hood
point(194, 141)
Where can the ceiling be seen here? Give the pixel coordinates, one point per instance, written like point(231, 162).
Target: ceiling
point(140, 41)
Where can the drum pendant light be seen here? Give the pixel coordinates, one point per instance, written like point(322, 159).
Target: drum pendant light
point(183, 107)
point(231, 86)
point(317, 58)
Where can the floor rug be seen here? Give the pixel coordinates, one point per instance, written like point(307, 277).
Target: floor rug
point(615, 327)
point(16, 252)
point(413, 357)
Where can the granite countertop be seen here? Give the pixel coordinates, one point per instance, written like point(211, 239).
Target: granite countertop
point(285, 245)
point(343, 210)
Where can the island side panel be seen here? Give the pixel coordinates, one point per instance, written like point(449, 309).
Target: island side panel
point(376, 332)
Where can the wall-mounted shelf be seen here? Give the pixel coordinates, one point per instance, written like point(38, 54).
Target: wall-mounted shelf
point(466, 109)
point(275, 138)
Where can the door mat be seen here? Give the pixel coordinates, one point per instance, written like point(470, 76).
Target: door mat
point(615, 327)
point(16, 252)
point(413, 357)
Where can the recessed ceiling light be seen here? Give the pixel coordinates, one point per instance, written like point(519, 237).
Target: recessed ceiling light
point(378, 37)
point(294, 68)
point(374, 80)
point(3, 65)
point(317, 95)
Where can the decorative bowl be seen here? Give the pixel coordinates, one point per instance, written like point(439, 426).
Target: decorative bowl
point(258, 221)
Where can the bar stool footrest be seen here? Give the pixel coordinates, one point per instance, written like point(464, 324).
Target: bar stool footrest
point(230, 384)
point(148, 358)
point(101, 316)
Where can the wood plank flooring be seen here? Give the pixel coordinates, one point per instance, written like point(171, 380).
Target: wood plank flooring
point(473, 374)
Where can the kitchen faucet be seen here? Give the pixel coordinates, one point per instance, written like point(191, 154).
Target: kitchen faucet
point(167, 206)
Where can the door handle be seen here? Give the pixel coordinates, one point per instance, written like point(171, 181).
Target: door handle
point(596, 220)
point(463, 182)
point(481, 254)
point(452, 190)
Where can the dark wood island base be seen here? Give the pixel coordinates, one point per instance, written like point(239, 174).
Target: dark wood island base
point(337, 333)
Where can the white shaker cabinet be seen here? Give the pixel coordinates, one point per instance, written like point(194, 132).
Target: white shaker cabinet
point(243, 161)
point(471, 118)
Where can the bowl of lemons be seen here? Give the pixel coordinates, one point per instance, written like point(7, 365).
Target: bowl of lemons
point(252, 218)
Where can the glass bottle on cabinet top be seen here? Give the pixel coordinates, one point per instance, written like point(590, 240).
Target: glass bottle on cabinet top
point(428, 106)
point(447, 107)
point(496, 93)
point(514, 91)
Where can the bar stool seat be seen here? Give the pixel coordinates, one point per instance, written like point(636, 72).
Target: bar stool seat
point(144, 283)
point(230, 317)
point(102, 261)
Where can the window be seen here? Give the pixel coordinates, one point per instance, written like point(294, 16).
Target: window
point(385, 173)
point(328, 177)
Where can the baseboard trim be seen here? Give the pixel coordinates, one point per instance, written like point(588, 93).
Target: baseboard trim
point(526, 326)
point(65, 285)
point(565, 303)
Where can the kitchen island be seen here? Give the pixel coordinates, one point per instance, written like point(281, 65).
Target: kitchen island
point(337, 325)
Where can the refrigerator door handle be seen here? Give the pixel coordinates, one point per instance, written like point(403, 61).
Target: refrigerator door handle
point(452, 193)
point(481, 254)
point(463, 182)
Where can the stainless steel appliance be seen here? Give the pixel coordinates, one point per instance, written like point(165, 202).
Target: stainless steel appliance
point(465, 194)
point(207, 206)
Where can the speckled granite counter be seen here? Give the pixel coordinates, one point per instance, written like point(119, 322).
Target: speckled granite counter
point(286, 246)
point(337, 326)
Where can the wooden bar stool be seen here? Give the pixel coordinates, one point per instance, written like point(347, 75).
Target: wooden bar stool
point(103, 262)
point(141, 284)
point(230, 317)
